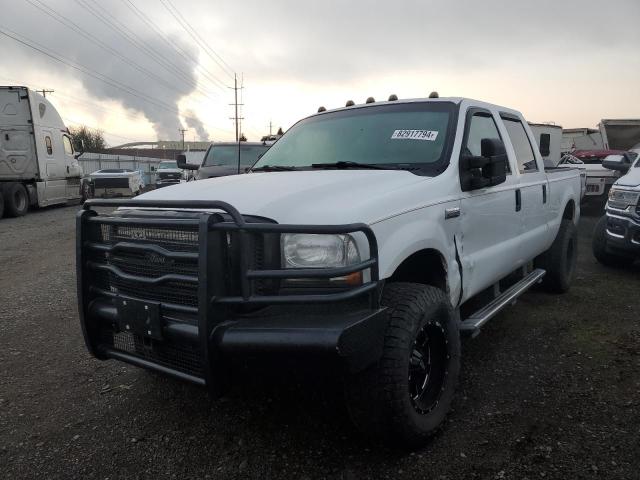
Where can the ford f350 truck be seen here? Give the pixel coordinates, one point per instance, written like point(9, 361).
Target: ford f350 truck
point(616, 238)
point(38, 165)
point(369, 237)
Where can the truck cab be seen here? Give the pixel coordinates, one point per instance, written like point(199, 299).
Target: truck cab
point(369, 237)
point(38, 165)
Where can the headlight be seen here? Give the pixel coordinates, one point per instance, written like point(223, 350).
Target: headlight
point(621, 199)
point(302, 250)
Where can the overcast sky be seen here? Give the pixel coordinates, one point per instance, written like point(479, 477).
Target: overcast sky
point(570, 62)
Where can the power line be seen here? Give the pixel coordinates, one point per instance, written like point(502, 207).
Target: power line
point(179, 51)
point(197, 38)
point(98, 76)
point(77, 29)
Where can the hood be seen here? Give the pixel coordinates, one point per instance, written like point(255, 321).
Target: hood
point(308, 197)
point(631, 179)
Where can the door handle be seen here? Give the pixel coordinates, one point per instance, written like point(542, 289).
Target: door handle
point(544, 194)
point(518, 200)
point(67, 168)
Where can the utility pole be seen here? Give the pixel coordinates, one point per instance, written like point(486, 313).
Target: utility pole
point(235, 104)
point(45, 91)
point(182, 130)
point(270, 127)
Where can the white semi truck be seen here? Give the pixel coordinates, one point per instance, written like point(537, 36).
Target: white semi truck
point(38, 166)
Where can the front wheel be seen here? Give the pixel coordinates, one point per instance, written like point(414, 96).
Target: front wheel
point(406, 396)
point(599, 247)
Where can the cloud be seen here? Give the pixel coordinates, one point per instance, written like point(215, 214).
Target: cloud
point(145, 73)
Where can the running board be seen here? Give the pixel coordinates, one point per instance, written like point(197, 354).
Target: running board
point(472, 325)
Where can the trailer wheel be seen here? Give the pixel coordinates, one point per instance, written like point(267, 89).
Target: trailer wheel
point(16, 200)
point(599, 247)
point(406, 396)
point(560, 260)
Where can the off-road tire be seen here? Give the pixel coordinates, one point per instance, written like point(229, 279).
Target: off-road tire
point(16, 200)
point(560, 260)
point(599, 247)
point(379, 399)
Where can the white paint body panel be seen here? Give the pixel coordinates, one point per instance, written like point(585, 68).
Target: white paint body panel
point(407, 211)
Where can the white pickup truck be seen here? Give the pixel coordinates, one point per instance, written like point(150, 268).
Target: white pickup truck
point(370, 237)
point(616, 238)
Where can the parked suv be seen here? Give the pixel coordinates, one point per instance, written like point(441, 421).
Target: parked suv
point(168, 173)
point(370, 237)
point(616, 238)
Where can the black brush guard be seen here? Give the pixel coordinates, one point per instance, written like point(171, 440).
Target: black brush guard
point(355, 337)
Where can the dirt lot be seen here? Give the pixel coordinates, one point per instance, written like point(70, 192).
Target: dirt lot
point(550, 389)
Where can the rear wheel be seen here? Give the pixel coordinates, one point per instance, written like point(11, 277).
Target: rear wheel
point(16, 200)
point(560, 260)
point(406, 396)
point(599, 247)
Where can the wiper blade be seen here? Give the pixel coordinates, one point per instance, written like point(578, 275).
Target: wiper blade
point(346, 165)
point(273, 168)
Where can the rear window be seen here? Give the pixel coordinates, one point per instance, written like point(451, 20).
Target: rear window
point(521, 144)
point(227, 155)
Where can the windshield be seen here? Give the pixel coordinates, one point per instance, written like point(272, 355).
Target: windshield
point(411, 134)
point(228, 155)
point(162, 165)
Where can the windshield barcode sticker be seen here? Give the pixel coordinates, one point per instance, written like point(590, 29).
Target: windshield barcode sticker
point(428, 135)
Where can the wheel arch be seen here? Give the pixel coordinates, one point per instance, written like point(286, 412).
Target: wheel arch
point(426, 266)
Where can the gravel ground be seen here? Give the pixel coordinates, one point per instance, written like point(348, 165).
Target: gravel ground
point(550, 389)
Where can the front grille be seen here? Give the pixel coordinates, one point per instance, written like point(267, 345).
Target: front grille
point(169, 176)
point(146, 263)
point(183, 357)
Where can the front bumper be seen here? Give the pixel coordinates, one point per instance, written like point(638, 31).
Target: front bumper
point(623, 233)
point(194, 327)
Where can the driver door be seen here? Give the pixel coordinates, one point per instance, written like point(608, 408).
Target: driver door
point(490, 225)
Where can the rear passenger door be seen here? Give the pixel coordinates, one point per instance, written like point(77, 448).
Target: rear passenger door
point(533, 189)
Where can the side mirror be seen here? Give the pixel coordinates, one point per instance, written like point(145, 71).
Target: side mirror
point(181, 159)
point(617, 162)
point(489, 169)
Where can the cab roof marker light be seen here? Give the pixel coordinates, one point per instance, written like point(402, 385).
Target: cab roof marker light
point(371, 100)
point(350, 103)
point(393, 97)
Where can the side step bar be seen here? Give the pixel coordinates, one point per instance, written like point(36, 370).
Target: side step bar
point(472, 324)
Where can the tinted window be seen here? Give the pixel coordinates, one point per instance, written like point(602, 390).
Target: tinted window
point(47, 142)
point(68, 149)
point(413, 133)
point(520, 141)
point(163, 165)
point(228, 155)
